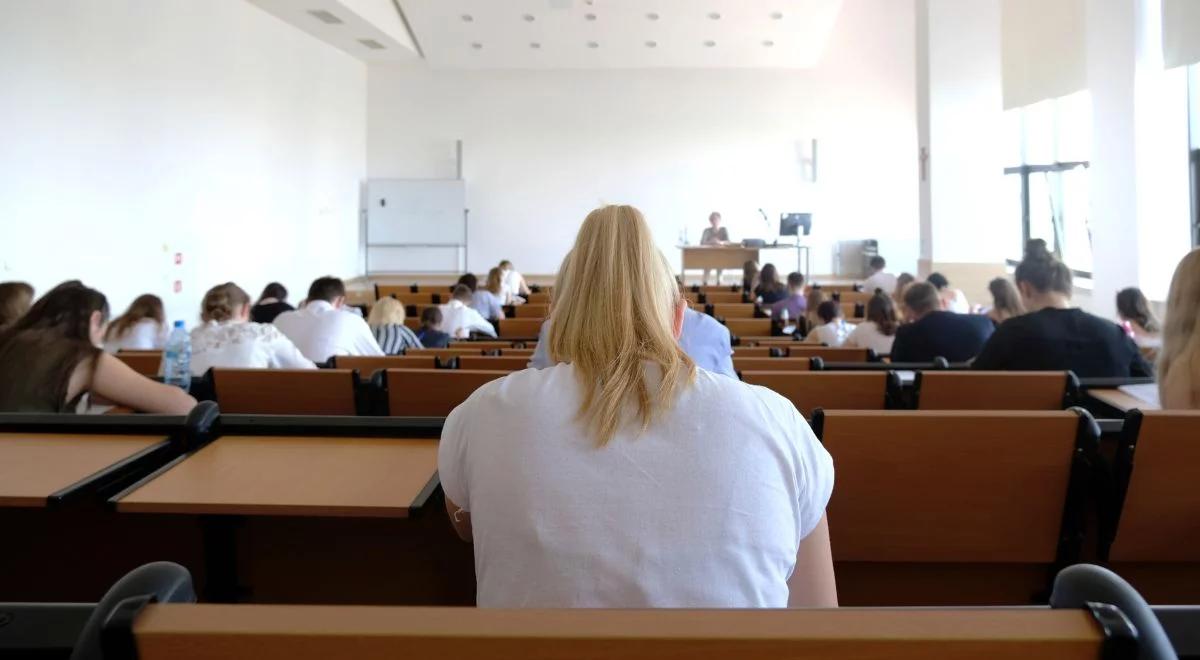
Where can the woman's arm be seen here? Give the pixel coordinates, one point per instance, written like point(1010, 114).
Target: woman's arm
point(813, 583)
point(115, 381)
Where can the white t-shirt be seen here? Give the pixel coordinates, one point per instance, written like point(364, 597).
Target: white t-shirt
point(867, 335)
point(459, 321)
point(145, 335)
point(833, 333)
point(880, 280)
point(234, 345)
point(320, 332)
point(510, 286)
point(705, 509)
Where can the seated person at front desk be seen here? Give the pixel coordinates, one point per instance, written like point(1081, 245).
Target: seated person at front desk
point(704, 339)
point(715, 235)
point(934, 332)
point(1053, 335)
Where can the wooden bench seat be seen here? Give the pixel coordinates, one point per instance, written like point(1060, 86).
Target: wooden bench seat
point(770, 364)
point(286, 391)
point(809, 390)
point(994, 390)
point(432, 392)
point(146, 363)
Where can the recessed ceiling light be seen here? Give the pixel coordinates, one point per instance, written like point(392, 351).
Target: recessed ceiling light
point(776, 15)
point(528, 18)
point(590, 17)
point(651, 44)
point(325, 17)
point(652, 16)
point(768, 43)
point(715, 16)
point(593, 44)
point(372, 44)
point(467, 18)
point(710, 43)
point(476, 45)
point(535, 45)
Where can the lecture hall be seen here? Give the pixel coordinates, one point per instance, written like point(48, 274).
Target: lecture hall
point(599, 329)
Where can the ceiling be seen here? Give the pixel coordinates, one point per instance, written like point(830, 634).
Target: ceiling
point(606, 34)
point(371, 30)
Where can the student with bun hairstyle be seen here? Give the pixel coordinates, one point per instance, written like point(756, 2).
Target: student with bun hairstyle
point(631, 478)
point(227, 338)
point(142, 327)
point(1053, 335)
point(1179, 359)
point(15, 299)
point(51, 358)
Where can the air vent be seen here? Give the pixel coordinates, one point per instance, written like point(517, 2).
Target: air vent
point(325, 17)
point(372, 44)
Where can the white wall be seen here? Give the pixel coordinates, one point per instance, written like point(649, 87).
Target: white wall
point(134, 129)
point(544, 148)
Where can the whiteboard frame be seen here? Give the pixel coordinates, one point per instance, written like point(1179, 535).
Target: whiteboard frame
point(367, 244)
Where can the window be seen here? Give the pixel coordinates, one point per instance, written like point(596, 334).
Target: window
point(1051, 146)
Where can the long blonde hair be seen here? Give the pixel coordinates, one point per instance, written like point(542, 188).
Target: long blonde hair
point(386, 311)
point(1181, 330)
point(495, 281)
point(614, 308)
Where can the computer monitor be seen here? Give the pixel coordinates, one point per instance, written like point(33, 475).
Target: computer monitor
point(790, 224)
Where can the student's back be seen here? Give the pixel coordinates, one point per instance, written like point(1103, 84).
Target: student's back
point(678, 516)
point(1060, 339)
point(956, 337)
point(323, 329)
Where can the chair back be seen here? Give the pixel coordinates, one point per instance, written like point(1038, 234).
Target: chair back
point(286, 391)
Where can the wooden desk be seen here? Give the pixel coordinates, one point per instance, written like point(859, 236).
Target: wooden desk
point(1121, 401)
point(294, 476)
point(705, 257)
point(33, 467)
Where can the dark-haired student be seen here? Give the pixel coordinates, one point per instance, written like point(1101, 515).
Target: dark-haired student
point(429, 335)
point(51, 358)
point(796, 302)
point(878, 332)
point(1053, 335)
point(770, 289)
point(833, 329)
point(271, 303)
point(933, 332)
point(323, 328)
point(1142, 325)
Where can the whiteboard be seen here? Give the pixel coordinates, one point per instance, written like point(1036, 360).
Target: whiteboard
point(416, 212)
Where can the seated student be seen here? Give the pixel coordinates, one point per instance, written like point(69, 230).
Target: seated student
point(226, 338)
point(51, 358)
point(704, 339)
point(749, 276)
point(486, 300)
point(933, 332)
point(323, 329)
point(770, 290)
point(1140, 323)
point(513, 285)
point(902, 282)
point(459, 320)
point(832, 329)
point(15, 299)
point(1006, 301)
point(387, 322)
point(1053, 335)
point(878, 332)
point(271, 303)
point(815, 297)
point(1179, 359)
point(796, 303)
point(632, 479)
point(878, 278)
point(142, 327)
point(955, 300)
point(429, 335)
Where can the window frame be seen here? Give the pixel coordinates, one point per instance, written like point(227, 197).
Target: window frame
point(1024, 171)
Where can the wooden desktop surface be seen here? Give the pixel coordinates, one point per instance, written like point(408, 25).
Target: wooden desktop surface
point(1121, 400)
point(294, 476)
point(35, 466)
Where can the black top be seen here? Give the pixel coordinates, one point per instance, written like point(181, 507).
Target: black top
point(433, 338)
point(770, 297)
point(267, 313)
point(956, 337)
point(1059, 339)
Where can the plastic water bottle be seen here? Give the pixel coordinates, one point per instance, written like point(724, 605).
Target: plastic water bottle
point(177, 358)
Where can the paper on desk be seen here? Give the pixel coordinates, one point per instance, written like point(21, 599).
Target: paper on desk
point(1147, 392)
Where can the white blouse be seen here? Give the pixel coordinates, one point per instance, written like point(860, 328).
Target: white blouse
point(867, 335)
point(237, 345)
point(145, 335)
point(833, 333)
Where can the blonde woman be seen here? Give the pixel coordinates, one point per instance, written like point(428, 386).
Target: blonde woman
point(387, 322)
point(630, 478)
point(227, 338)
point(488, 300)
point(1179, 360)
